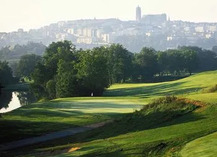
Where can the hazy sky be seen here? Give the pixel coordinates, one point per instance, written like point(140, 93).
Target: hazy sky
point(28, 14)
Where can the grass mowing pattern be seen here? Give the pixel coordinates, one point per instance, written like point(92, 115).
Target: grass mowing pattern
point(165, 139)
point(156, 133)
point(41, 118)
point(155, 130)
point(202, 147)
point(159, 129)
point(189, 85)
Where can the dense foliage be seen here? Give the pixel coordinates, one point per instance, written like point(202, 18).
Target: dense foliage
point(177, 61)
point(27, 65)
point(145, 64)
point(65, 71)
point(207, 59)
point(119, 61)
point(6, 76)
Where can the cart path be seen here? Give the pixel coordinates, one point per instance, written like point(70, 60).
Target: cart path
point(50, 136)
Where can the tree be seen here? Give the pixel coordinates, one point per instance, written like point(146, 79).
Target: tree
point(206, 59)
point(40, 76)
point(92, 72)
point(146, 62)
point(119, 62)
point(66, 84)
point(175, 61)
point(56, 51)
point(27, 65)
point(190, 60)
point(163, 60)
point(5, 98)
point(51, 89)
point(47, 76)
point(6, 76)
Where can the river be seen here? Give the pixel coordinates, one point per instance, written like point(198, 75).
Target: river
point(12, 100)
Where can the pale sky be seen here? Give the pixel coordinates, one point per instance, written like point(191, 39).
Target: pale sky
point(29, 14)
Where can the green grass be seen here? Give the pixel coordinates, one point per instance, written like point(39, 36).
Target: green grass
point(143, 139)
point(40, 118)
point(160, 129)
point(156, 132)
point(202, 147)
point(210, 98)
point(190, 85)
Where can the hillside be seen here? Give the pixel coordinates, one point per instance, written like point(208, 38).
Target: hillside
point(190, 85)
point(204, 146)
point(14, 53)
point(161, 128)
point(131, 34)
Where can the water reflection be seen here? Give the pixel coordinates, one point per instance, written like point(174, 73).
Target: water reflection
point(10, 101)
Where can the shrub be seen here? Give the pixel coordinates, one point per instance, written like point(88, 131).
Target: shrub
point(171, 105)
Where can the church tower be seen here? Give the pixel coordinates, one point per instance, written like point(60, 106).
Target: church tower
point(138, 14)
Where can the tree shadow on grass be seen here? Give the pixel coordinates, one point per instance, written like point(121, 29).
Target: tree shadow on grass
point(37, 121)
point(77, 109)
point(152, 121)
point(40, 112)
point(129, 123)
point(128, 150)
point(129, 126)
point(12, 130)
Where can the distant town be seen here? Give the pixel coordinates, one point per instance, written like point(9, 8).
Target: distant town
point(156, 31)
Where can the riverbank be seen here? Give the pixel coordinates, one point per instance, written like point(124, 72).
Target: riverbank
point(15, 96)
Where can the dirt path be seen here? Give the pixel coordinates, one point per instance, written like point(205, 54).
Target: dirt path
point(50, 136)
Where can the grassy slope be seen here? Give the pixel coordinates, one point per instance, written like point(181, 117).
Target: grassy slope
point(111, 141)
point(138, 138)
point(166, 139)
point(40, 118)
point(202, 147)
point(190, 85)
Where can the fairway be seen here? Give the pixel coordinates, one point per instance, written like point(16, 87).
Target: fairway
point(191, 85)
point(108, 78)
point(142, 141)
point(202, 147)
point(61, 114)
point(100, 105)
point(132, 134)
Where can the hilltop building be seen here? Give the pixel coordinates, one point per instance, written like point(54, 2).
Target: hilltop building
point(155, 30)
point(155, 20)
point(138, 14)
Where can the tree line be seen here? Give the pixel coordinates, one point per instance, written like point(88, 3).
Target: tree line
point(65, 71)
point(15, 52)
